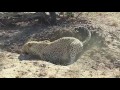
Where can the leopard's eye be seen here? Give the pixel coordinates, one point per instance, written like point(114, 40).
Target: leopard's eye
point(76, 28)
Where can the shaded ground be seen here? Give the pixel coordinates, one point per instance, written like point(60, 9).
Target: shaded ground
point(100, 58)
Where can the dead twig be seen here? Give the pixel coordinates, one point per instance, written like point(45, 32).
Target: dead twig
point(78, 15)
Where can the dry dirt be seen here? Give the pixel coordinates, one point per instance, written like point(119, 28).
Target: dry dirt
point(99, 59)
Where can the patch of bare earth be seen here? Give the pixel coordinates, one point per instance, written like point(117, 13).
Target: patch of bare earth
point(99, 59)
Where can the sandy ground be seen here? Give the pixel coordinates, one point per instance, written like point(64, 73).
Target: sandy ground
point(100, 59)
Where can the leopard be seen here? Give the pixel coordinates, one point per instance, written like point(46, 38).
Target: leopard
point(63, 51)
